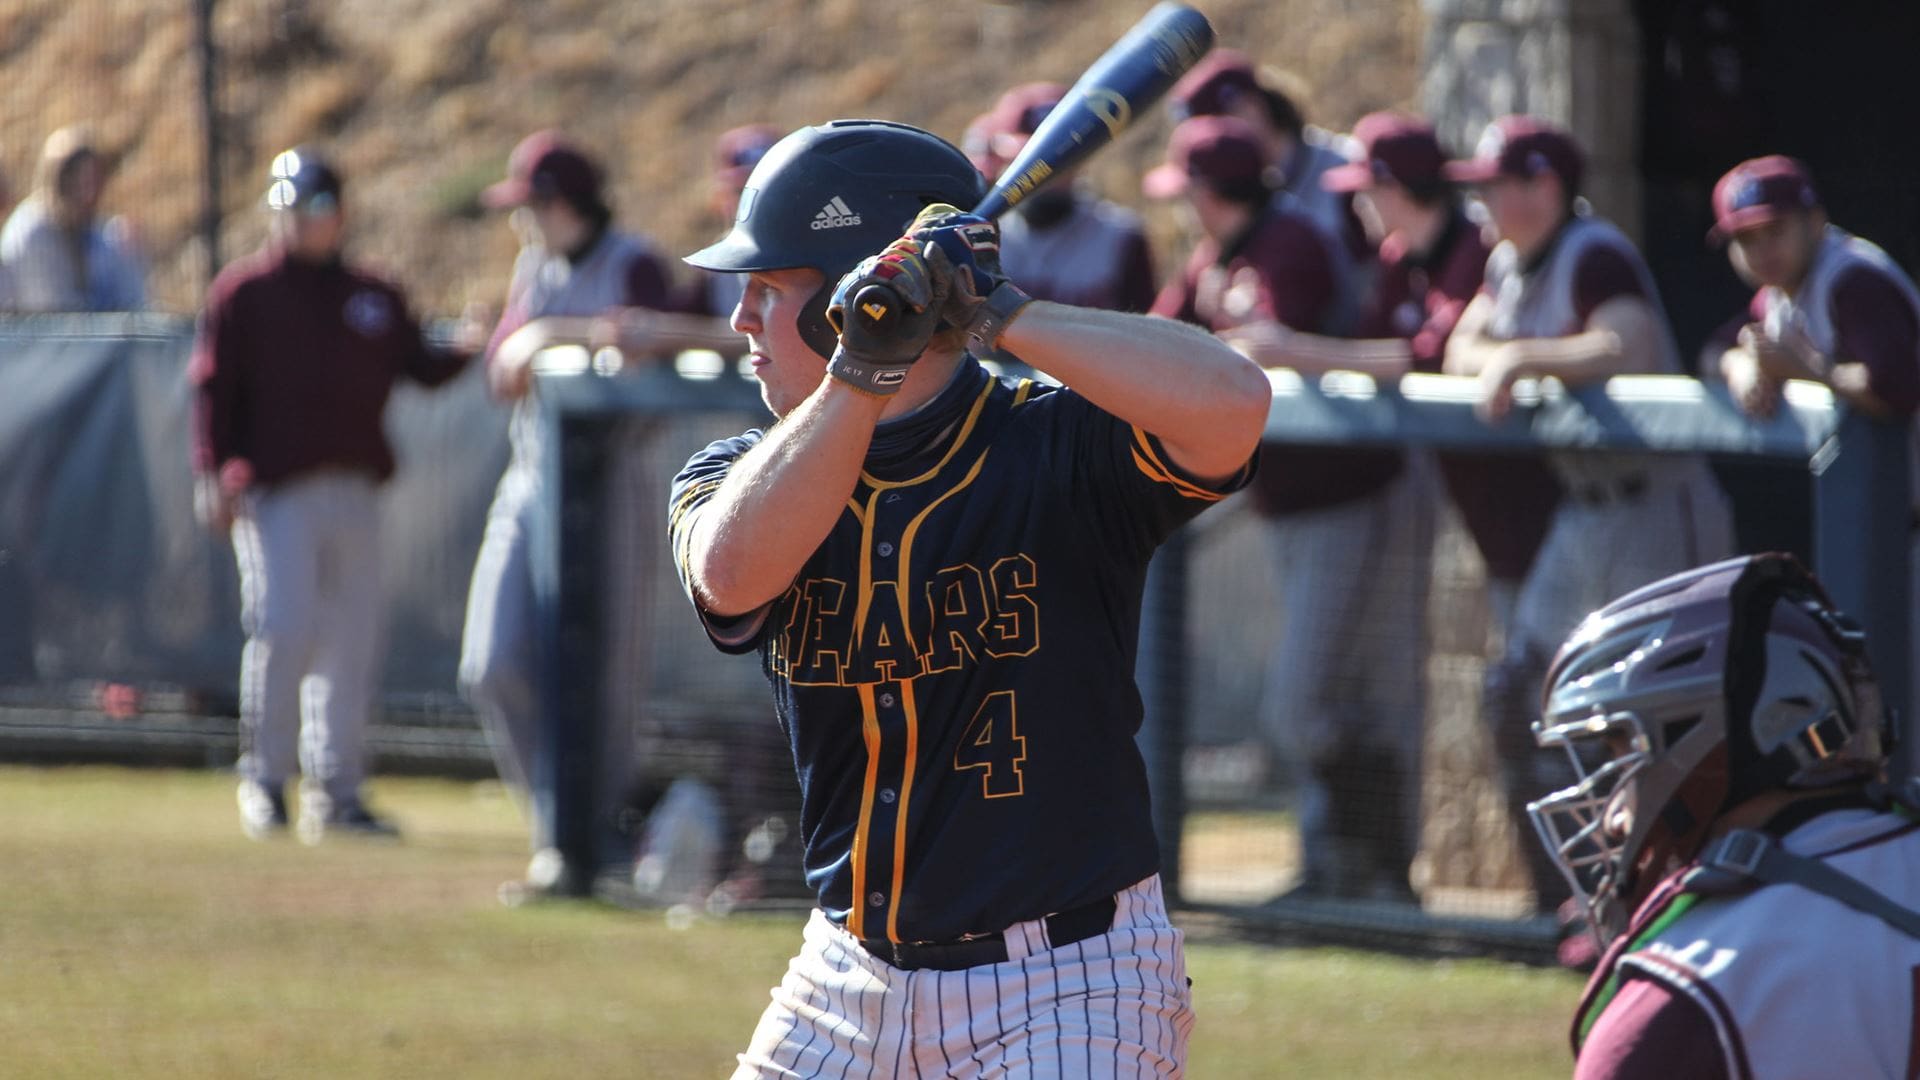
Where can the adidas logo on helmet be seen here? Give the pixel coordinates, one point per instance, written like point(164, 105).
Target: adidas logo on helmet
point(835, 215)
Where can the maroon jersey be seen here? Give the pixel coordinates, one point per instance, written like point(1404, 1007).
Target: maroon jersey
point(1279, 269)
point(293, 364)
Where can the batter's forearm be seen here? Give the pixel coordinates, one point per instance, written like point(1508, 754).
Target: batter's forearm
point(781, 500)
point(1207, 404)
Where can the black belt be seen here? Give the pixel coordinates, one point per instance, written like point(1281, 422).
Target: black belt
point(1063, 928)
point(1626, 489)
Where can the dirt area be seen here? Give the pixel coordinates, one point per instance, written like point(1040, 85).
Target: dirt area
point(421, 101)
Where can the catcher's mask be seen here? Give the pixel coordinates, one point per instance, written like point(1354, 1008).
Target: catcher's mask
point(1687, 697)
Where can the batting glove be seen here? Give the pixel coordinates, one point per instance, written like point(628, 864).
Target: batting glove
point(981, 301)
point(875, 358)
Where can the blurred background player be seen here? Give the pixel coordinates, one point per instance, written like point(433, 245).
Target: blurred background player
point(57, 252)
point(296, 355)
point(1566, 295)
point(1226, 83)
point(1347, 528)
point(1064, 243)
point(1830, 307)
point(1751, 878)
point(574, 269)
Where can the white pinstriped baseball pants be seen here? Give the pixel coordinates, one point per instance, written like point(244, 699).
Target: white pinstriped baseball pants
point(1114, 1005)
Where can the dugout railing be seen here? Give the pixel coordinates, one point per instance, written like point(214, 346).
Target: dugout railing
point(623, 648)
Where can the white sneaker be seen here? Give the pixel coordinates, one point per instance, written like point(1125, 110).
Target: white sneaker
point(263, 810)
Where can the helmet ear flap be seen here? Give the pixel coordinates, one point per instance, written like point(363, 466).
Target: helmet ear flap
point(815, 330)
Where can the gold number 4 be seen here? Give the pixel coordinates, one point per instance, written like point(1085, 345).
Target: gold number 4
point(993, 744)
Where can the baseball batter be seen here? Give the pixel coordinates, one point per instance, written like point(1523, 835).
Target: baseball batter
point(1728, 834)
point(942, 574)
point(296, 354)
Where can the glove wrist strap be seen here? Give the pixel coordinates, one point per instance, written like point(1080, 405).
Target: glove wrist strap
point(879, 378)
point(990, 320)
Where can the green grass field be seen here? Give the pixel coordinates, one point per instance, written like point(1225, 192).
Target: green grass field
point(142, 936)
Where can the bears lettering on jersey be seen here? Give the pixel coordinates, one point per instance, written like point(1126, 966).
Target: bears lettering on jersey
point(961, 615)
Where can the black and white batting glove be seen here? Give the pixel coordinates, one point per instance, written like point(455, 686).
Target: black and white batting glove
point(874, 355)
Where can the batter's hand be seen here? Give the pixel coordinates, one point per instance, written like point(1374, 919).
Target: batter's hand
point(876, 359)
point(981, 301)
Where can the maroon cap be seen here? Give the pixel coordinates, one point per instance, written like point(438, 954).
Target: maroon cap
point(1221, 78)
point(1753, 192)
point(545, 165)
point(738, 150)
point(1393, 146)
point(1222, 152)
point(1521, 147)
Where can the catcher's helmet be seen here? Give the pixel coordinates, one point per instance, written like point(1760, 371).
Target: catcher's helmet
point(826, 197)
point(1687, 697)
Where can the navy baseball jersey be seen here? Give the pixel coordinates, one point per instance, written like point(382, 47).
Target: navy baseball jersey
point(953, 667)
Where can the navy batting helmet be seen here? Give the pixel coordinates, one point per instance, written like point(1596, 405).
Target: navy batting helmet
point(826, 197)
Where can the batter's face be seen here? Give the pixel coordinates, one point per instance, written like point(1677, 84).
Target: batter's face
point(1777, 252)
point(769, 316)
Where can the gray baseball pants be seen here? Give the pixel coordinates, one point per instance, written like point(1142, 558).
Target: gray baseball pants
point(310, 592)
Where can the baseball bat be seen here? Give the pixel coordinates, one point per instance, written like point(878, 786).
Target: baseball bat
point(1123, 83)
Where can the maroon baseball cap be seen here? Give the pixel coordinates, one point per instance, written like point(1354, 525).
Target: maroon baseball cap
point(1757, 191)
point(1222, 152)
point(1393, 146)
point(738, 150)
point(1222, 77)
point(545, 165)
point(1521, 147)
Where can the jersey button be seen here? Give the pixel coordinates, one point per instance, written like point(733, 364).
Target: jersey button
point(887, 795)
point(885, 549)
point(886, 701)
point(875, 899)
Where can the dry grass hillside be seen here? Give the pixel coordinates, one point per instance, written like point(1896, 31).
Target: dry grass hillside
point(420, 100)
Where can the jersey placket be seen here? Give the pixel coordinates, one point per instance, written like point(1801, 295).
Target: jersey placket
point(892, 734)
